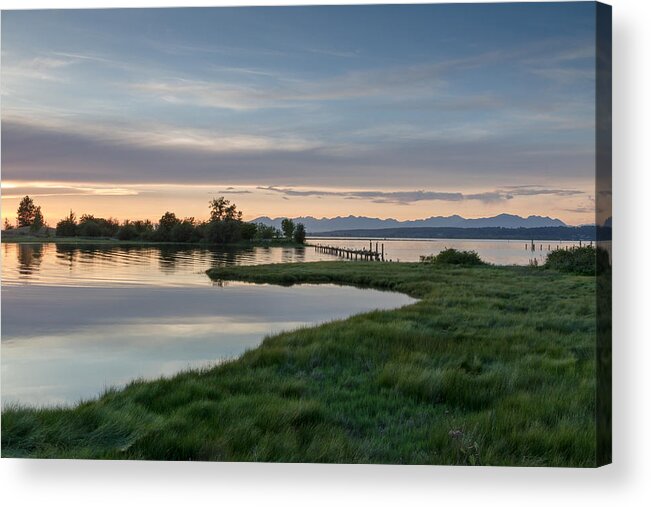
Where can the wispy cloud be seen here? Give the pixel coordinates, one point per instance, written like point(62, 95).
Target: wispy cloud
point(150, 135)
point(565, 66)
point(392, 84)
point(41, 68)
point(339, 53)
point(539, 190)
point(16, 190)
point(412, 196)
point(178, 48)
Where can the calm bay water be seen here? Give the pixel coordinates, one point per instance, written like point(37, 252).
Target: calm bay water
point(504, 252)
point(79, 319)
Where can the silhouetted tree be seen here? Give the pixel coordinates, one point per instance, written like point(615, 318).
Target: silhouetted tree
point(182, 231)
point(8, 224)
point(266, 232)
point(222, 209)
point(88, 226)
point(144, 229)
point(68, 226)
point(92, 226)
point(26, 212)
point(222, 232)
point(165, 225)
point(249, 230)
point(127, 231)
point(38, 222)
point(225, 224)
point(299, 233)
point(287, 225)
point(168, 220)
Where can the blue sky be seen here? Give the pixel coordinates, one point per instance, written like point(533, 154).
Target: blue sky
point(401, 111)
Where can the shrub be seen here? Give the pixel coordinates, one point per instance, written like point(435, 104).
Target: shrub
point(127, 231)
point(68, 226)
point(89, 228)
point(221, 232)
point(249, 230)
point(182, 232)
point(266, 232)
point(579, 260)
point(453, 256)
point(142, 226)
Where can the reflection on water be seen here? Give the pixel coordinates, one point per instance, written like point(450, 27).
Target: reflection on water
point(29, 259)
point(170, 265)
point(78, 319)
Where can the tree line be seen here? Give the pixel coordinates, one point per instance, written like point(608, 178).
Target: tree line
point(27, 215)
point(224, 226)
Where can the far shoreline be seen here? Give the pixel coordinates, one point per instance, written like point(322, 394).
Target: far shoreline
point(117, 242)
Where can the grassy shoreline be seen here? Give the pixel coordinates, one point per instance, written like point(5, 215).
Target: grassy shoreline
point(493, 365)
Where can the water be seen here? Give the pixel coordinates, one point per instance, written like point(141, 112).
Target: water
point(76, 320)
point(127, 265)
point(504, 252)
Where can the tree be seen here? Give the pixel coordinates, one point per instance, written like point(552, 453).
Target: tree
point(266, 231)
point(38, 222)
point(249, 230)
point(127, 231)
point(222, 232)
point(225, 224)
point(144, 229)
point(167, 221)
point(287, 225)
point(8, 225)
point(68, 226)
point(89, 226)
point(143, 226)
point(299, 233)
point(222, 209)
point(26, 212)
point(183, 231)
point(92, 226)
point(165, 226)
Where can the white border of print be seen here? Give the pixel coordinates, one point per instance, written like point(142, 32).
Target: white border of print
point(627, 482)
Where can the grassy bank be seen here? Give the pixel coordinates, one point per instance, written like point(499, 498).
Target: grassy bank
point(493, 365)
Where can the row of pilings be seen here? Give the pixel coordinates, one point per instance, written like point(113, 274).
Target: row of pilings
point(353, 254)
point(533, 246)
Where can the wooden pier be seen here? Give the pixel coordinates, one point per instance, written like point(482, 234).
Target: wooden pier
point(353, 254)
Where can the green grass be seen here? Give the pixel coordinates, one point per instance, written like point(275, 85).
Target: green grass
point(492, 366)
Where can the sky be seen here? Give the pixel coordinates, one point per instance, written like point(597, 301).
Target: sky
point(386, 111)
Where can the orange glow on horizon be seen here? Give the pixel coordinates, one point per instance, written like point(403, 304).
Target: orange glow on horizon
point(150, 201)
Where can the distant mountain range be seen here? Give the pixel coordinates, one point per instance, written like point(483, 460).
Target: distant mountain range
point(583, 233)
point(504, 220)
